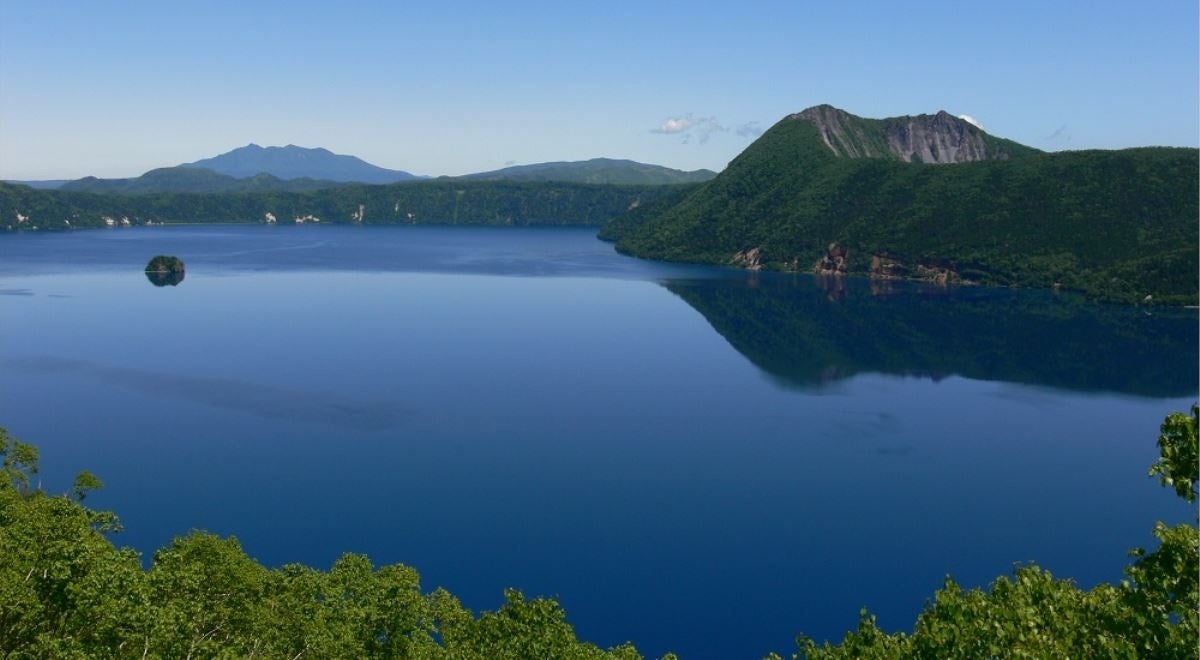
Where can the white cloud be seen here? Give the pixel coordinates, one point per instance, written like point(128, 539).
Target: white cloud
point(972, 121)
point(689, 125)
point(673, 125)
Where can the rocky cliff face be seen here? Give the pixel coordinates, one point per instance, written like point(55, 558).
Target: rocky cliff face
point(940, 138)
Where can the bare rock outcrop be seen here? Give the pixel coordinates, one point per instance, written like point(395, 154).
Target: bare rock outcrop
point(889, 267)
point(750, 259)
point(833, 262)
point(935, 139)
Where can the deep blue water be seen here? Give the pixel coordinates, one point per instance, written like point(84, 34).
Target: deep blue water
point(693, 459)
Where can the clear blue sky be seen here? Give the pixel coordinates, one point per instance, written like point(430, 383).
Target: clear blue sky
point(116, 88)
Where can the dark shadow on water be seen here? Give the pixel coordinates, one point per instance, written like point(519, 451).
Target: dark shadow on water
point(810, 332)
point(164, 278)
point(302, 406)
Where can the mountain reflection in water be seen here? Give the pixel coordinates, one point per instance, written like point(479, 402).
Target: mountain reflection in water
point(808, 332)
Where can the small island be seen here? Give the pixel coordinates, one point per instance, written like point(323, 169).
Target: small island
point(165, 270)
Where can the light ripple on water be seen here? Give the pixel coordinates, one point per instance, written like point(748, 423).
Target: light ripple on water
point(232, 394)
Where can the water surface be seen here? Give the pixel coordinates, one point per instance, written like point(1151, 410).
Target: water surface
point(693, 459)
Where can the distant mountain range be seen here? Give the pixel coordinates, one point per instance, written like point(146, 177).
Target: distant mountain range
point(596, 170)
point(185, 179)
point(292, 162)
point(40, 184)
point(297, 169)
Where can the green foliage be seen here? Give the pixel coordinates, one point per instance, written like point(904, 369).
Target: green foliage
point(1117, 225)
point(1161, 597)
point(525, 629)
point(67, 592)
point(85, 482)
point(19, 462)
point(1179, 454)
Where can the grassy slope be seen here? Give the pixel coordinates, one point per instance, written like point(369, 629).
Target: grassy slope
point(1115, 224)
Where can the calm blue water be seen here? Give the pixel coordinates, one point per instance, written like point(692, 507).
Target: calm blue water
point(692, 459)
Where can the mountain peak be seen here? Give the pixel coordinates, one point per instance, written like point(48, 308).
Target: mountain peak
point(936, 139)
point(296, 162)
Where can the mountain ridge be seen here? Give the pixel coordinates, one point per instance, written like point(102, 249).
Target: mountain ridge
point(596, 170)
point(294, 162)
point(1117, 225)
point(231, 177)
point(939, 138)
point(194, 180)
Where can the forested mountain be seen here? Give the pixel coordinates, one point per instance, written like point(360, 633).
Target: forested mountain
point(421, 202)
point(292, 162)
point(193, 180)
point(596, 170)
point(41, 184)
point(835, 196)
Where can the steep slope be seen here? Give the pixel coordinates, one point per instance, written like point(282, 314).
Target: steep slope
point(597, 170)
point(936, 139)
point(1118, 225)
point(292, 162)
point(193, 180)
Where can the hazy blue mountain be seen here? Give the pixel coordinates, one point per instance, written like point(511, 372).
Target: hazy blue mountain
point(596, 170)
point(194, 180)
point(292, 162)
point(43, 184)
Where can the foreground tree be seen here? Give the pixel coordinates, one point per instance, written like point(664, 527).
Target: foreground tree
point(67, 592)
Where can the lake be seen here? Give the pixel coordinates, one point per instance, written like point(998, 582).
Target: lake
point(695, 459)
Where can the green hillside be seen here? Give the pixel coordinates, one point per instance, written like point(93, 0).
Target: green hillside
point(193, 180)
point(597, 170)
point(1117, 225)
point(421, 202)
